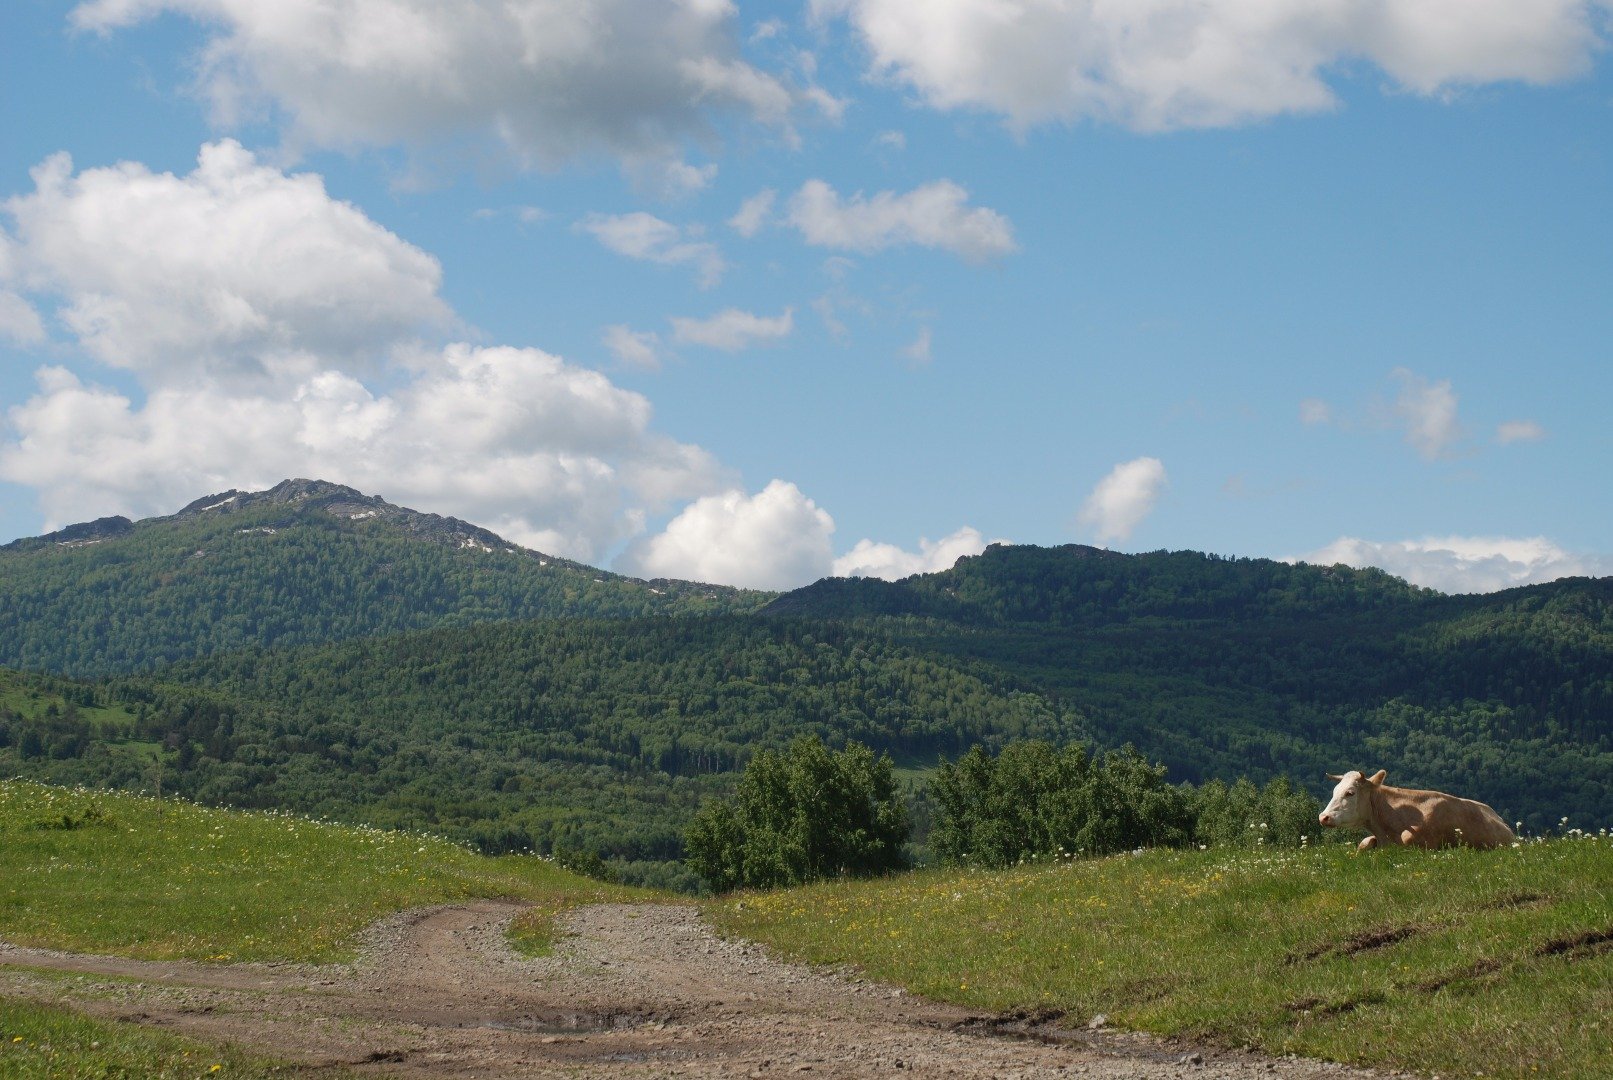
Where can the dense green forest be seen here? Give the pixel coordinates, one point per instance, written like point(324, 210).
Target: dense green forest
point(304, 562)
point(605, 735)
point(591, 735)
point(1222, 667)
point(269, 670)
point(1076, 586)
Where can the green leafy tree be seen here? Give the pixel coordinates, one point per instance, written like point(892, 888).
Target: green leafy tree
point(800, 815)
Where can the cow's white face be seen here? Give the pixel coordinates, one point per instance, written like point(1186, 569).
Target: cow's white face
point(1349, 803)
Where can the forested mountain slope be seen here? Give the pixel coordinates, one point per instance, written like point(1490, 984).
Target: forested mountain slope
point(306, 561)
point(604, 734)
point(1075, 585)
point(1219, 666)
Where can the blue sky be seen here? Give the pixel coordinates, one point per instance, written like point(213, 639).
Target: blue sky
point(1256, 277)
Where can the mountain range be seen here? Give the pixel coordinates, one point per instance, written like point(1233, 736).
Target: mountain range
point(305, 561)
point(315, 648)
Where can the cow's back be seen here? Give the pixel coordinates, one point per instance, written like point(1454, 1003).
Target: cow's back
point(1436, 819)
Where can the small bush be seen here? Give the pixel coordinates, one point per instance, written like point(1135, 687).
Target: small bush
point(93, 816)
point(586, 863)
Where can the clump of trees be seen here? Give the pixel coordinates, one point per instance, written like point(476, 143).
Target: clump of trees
point(800, 815)
point(812, 813)
point(1036, 800)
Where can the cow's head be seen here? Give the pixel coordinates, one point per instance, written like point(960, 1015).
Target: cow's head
point(1348, 806)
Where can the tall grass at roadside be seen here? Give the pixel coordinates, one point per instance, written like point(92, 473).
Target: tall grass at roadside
point(44, 1042)
point(1495, 963)
point(95, 871)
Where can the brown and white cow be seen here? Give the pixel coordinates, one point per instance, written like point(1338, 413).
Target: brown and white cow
point(1430, 819)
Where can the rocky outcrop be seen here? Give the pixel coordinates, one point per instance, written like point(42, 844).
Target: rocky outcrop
point(80, 535)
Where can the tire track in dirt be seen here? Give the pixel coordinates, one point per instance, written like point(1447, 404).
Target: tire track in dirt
point(631, 991)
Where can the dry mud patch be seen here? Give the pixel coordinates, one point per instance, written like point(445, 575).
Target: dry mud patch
point(630, 991)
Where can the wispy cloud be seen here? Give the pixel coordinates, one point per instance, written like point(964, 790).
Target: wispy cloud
point(640, 349)
point(935, 215)
point(1426, 412)
point(647, 238)
point(1121, 500)
point(733, 330)
point(1515, 431)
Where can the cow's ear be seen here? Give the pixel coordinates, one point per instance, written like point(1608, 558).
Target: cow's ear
point(1378, 777)
point(1331, 776)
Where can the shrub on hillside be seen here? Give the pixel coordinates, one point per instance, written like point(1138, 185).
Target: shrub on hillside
point(1242, 815)
point(801, 815)
point(1034, 800)
point(1037, 800)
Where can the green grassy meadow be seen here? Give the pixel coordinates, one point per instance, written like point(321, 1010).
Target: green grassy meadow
point(1456, 962)
point(44, 1042)
point(93, 871)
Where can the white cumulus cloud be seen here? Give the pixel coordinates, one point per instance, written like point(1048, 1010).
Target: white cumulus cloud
point(273, 332)
point(548, 454)
point(733, 330)
point(236, 268)
point(1122, 499)
point(645, 237)
point(775, 539)
point(546, 80)
point(1155, 65)
point(935, 215)
point(1464, 564)
point(871, 559)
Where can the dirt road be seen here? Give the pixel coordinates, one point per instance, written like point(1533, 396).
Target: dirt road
point(631, 991)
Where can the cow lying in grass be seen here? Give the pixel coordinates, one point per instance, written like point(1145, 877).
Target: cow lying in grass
point(1430, 819)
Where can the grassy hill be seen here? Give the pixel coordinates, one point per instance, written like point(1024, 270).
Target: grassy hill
point(306, 561)
point(127, 876)
point(164, 880)
point(1496, 964)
